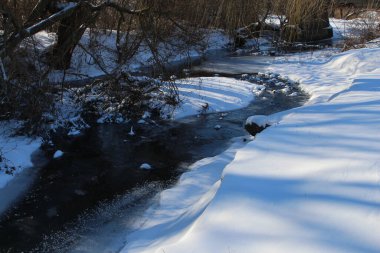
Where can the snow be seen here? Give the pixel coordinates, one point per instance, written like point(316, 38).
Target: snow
point(145, 166)
point(310, 183)
point(58, 154)
point(212, 94)
point(199, 185)
point(260, 120)
point(84, 66)
point(354, 27)
point(15, 152)
point(131, 132)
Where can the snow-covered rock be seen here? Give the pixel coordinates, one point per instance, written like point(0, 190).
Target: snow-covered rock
point(259, 120)
point(58, 154)
point(256, 124)
point(145, 166)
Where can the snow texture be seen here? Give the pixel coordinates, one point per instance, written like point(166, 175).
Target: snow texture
point(260, 120)
point(145, 166)
point(212, 94)
point(308, 184)
point(17, 152)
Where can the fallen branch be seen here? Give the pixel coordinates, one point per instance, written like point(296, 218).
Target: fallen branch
point(5, 76)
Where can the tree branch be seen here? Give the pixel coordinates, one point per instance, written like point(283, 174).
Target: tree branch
point(2, 68)
point(37, 11)
point(110, 4)
point(18, 37)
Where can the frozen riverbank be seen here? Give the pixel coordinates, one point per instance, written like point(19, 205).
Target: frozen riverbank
point(308, 184)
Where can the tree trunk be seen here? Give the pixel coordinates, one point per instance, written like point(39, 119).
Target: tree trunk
point(70, 31)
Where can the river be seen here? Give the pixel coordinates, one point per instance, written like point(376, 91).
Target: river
point(99, 177)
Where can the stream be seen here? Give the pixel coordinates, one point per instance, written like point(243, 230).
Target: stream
point(99, 180)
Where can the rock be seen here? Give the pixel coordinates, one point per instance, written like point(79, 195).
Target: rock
point(256, 124)
point(254, 129)
point(217, 127)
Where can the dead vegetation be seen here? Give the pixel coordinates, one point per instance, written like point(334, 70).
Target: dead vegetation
point(165, 28)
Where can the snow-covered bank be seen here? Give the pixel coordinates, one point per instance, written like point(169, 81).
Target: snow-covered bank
point(308, 184)
point(84, 66)
point(180, 206)
point(16, 153)
point(213, 94)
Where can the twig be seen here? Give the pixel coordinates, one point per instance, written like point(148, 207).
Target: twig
point(5, 77)
point(95, 58)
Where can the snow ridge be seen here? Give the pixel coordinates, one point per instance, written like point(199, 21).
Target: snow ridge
point(308, 184)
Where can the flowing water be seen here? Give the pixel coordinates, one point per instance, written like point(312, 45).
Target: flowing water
point(98, 181)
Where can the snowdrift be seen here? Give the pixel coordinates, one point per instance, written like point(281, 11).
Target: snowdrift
point(308, 184)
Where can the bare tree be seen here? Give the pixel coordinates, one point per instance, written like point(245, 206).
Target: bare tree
point(71, 17)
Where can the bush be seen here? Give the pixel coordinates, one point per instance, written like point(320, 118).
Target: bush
point(25, 102)
point(364, 29)
point(126, 98)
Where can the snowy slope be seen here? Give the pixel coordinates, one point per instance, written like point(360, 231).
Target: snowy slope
point(212, 94)
point(16, 151)
point(308, 184)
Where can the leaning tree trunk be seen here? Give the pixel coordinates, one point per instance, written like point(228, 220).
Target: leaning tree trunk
point(70, 31)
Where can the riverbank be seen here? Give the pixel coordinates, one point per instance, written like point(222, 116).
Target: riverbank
point(326, 83)
point(16, 156)
point(16, 151)
point(307, 184)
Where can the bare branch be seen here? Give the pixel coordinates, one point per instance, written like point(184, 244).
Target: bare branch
point(18, 37)
point(52, 19)
point(38, 10)
point(96, 60)
point(111, 4)
point(2, 68)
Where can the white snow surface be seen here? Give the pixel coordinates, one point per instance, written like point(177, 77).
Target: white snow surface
point(260, 120)
point(16, 151)
point(308, 184)
point(58, 154)
point(145, 166)
point(213, 94)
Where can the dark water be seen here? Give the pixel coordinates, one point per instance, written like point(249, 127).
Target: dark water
point(102, 167)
